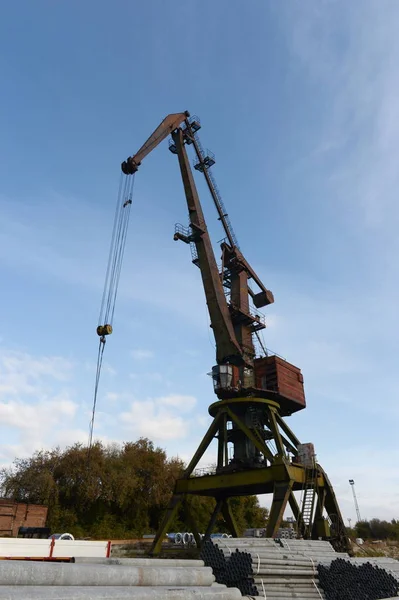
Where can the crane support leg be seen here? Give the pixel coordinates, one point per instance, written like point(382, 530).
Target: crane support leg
point(223, 456)
point(275, 430)
point(294, 506)
point(190, 520)
point(281, 495)
point(214, 516)
point(229, 518)
point(288, 432)
point(207, 439)
point(170, 514)
point(319, 523)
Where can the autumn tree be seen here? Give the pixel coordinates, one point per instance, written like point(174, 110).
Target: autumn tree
point(376, 529)
point(115, 491)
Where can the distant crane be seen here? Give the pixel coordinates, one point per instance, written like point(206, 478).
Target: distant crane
point(352, 484)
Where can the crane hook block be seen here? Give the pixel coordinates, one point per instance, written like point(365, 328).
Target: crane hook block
point(130, 166)
point(104, 330)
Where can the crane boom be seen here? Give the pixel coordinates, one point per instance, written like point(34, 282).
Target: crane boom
point(169, 124)
point(227, 346)
point(232, 321)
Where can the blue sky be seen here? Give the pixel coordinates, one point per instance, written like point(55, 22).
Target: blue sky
point(298, 100)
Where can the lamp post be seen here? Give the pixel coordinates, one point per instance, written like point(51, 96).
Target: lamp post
point(352, 484)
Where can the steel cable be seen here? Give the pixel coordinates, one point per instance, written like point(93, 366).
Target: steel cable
point(98, 373)
point(111, 247)
point(112, 279)
point(117, 247)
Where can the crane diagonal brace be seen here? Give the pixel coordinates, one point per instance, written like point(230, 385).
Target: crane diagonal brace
point(233, 255)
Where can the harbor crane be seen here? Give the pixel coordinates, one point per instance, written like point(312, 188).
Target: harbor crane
point(257, 452)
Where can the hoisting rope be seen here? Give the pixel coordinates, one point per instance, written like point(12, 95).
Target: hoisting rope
point(112, 277)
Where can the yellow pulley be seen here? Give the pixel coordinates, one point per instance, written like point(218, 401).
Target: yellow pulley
point(104, 330)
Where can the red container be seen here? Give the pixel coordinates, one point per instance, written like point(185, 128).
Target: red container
point(14, 515)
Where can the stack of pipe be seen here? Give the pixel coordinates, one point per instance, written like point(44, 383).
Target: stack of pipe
point(234, 570)
point(112, 579)
point(287, 533)
point(350, 580)
point(303, 569)
point(384, 562)
point(286, 569)
point(280, 569)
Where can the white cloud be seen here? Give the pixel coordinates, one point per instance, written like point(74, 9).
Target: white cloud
point(142, 354)
point(8, 452)
point(39, 415)
point(159, 418)
point(69, 436)
point(183, 403)
point(149, 420)
point(36, 403)
point(28, 398)
point(23, 376)
point(21, 373)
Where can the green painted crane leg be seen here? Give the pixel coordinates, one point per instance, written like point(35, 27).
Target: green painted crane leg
point(213, 518)
point(297, 513)
point(189, 518)
point(320, 526)
point(207, 439)
point(281, 495)
point(229, 518)
point(275, 430)
point(173, 507)
point(294, 506)
point(290, 434)
point(340, 539)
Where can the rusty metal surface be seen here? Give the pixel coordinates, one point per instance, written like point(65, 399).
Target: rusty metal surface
point(283, 379)
point(227, 346)
point(169, 123)
point(14, 515)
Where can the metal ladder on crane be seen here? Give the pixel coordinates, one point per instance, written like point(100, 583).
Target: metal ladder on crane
point(308, 501)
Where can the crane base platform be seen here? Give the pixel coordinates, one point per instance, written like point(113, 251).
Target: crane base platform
point(278, 473)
